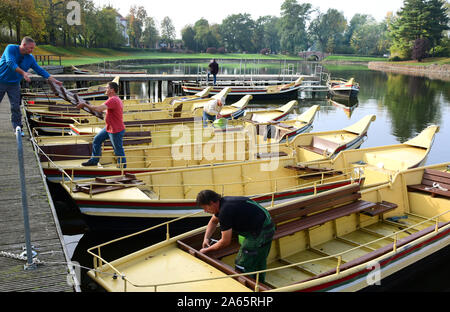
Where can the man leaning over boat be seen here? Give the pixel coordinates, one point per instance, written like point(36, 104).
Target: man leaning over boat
point(244, 216)
point(14, 65)
point(114, 130)
point(211, 110)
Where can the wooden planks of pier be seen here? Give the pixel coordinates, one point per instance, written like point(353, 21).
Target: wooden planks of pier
point(46, 235)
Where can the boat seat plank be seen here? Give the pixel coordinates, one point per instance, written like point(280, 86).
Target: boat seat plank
point(380, 208)
point(270, 155)
point(285, 126)
point(121, 182)
point(320, 145)
point(315, 204)
point(434, 182)
point(310, 169)
point(321, 218)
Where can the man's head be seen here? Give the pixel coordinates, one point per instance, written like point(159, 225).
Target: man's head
point(27, 45)
point(112, 88)
point(209, 201)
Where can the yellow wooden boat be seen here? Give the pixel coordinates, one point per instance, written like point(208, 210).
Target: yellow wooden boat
point(271, 114)
point(167, 103)
point(166, 194)
point(55, 116)
point(382, 163)
point(225, 147)
point(79, 128)
point(340, 240)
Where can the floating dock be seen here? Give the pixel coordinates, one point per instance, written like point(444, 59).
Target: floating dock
point(53, 274)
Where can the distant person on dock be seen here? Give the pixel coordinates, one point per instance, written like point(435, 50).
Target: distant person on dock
point(14, 65)
point(114, 130)
point(211, 110)
point(213, 69)
point(245, 217)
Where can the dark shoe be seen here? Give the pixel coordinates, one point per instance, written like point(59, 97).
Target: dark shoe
point(90, 162)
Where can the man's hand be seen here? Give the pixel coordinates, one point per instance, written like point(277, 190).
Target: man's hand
point(26, 76)
point(205, 243)
point(81, 105)
point(219, 116)
point(52, 79)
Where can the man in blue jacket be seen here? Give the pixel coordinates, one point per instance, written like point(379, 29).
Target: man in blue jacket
point(14, 65)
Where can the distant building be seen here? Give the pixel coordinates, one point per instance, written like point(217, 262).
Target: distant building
point(122, 22)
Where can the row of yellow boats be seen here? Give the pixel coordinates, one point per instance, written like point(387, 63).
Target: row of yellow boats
point(343, 213)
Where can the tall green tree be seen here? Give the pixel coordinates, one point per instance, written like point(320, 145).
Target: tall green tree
point(188, 37)
point(150, 34)
point(328, 29)
point(293, 34)
point(167, 31)
point(418, 19)
point(136, 18)
point(266, 33)
point(237, 32)
point(369, 39)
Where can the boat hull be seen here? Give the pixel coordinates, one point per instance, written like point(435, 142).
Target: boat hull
point(113, 215)
point(257, 94)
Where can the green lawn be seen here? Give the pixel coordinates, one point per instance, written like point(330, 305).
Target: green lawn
point(352, 58)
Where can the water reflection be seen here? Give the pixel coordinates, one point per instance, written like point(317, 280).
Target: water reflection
point(413, 104)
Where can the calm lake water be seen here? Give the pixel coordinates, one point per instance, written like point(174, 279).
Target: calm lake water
point(404, 106)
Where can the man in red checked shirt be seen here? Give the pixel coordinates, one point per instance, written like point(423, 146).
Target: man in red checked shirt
point(114, 130)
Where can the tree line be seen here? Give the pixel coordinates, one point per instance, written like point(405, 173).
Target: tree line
point(420, 24)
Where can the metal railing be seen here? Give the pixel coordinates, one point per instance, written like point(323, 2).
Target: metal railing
point(26, 221)
point(48, 59)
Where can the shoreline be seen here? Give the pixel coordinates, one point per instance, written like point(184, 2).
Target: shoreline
point(434, 71)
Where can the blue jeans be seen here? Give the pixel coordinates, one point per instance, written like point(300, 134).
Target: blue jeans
point(207, 117)
point(117, 144)
point(13, 91)
point(214, 77)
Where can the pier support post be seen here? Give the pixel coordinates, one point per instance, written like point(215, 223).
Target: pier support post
point(30, 265)
point(159, 91)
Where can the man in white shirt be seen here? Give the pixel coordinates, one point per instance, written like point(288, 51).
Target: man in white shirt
point(211, 110)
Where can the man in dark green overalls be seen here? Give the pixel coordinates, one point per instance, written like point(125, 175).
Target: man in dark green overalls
point(245, 217)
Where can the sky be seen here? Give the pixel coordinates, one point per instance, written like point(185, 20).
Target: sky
point(184, 12)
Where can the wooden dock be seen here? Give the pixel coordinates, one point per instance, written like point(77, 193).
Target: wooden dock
point(171, 77)
point(46, 236)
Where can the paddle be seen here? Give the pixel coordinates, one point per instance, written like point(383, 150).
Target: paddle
point(72, 98)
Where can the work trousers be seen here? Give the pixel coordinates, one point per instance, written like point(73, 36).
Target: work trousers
point(117, 143)
point(13, 91)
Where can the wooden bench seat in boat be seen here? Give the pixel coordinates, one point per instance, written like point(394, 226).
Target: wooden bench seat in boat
point(311, 212)
point(304, 214)
point(320, 145)
point(158, 121)
point(121, 182)
point(314, 172)
point(434, 182)
point(78, 150)
point(270, 155)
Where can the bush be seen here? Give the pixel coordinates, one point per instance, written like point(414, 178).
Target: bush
point(395, 59)
point(443, 49)
point(221, 50)
point(420, 49)
point(211, 50)
point(265, 51)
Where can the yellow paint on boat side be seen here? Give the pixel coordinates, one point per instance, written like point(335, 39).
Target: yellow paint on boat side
point(168, 265)
point(122, 194)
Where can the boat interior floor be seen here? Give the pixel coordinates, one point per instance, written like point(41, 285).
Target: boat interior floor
point(295, 248)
